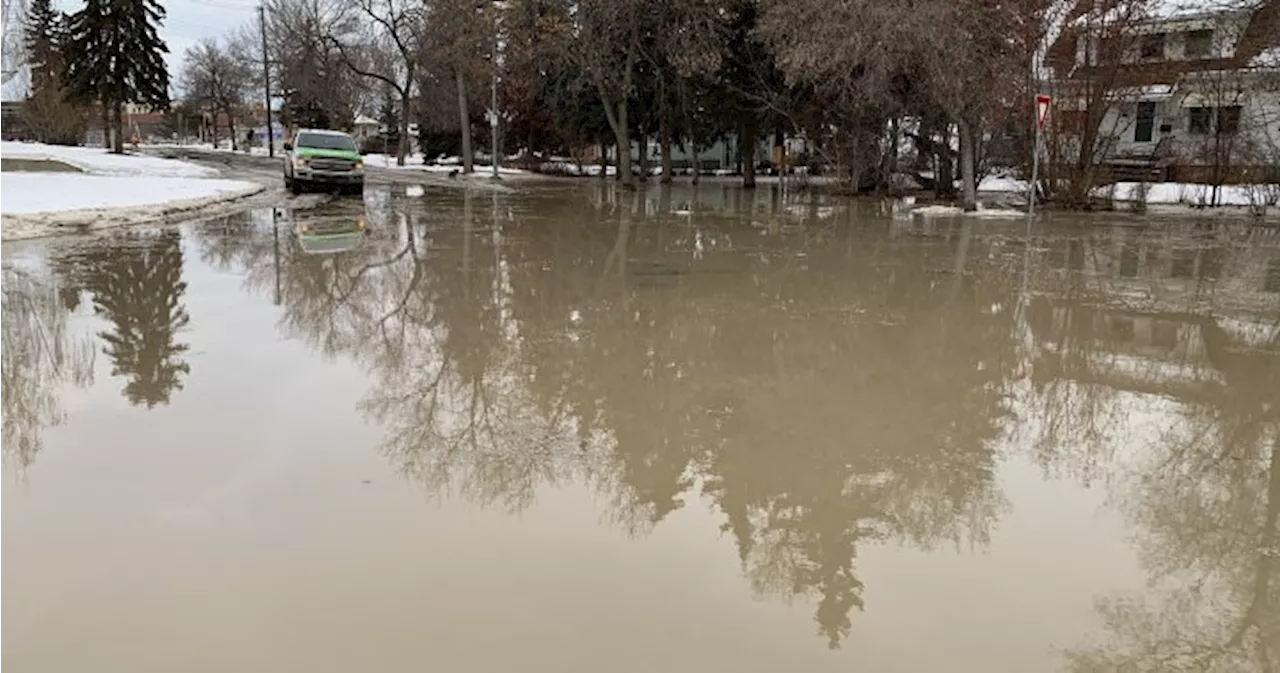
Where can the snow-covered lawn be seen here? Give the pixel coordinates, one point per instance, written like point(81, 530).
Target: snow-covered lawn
point(111, 190)
point(256, 150)
point(1190, 193)
point(26, 193)
point(97, 161)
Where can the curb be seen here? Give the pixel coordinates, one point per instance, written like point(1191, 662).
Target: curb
point(14, 227)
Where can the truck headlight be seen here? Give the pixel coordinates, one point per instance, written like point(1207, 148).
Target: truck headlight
point(301, 162)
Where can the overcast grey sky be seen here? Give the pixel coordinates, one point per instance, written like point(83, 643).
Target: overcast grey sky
point(191, 20)
point(186, 22)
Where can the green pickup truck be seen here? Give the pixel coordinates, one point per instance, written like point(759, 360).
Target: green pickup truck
point(319, 158)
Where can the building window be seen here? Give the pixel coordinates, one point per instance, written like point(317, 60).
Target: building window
point(1146, 122)
point(1228, 120)
point(1199, 44)
point(1152, 47)
point(1271, 282)
point(1129, 260)
point(1184, 263)
point(1121, 329)
point(1201, 118)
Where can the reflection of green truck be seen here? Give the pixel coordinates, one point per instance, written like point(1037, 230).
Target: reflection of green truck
point(328, 235)
point(320, 158)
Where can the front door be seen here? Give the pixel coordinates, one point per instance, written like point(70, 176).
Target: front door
point(1144, 128)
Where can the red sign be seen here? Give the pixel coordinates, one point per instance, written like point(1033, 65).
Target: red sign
point(1042, 109)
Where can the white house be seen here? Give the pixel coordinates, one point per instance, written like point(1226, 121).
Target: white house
point(1173, 85)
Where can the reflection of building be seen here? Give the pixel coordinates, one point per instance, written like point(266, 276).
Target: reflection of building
point(1162, 312)
point(1170, 268)
point(1160, 348)
point(1125, 350)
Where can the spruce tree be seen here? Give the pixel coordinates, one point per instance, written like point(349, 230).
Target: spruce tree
point(47, 110)
point(116, 57)
point(41, 36)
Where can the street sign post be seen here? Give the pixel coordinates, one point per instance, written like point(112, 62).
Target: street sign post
point(1043, 103)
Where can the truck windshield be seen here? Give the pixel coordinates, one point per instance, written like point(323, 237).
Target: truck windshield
point(325, 141)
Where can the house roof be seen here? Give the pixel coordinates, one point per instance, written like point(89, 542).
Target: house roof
point(1261, 35)
point(366, 120)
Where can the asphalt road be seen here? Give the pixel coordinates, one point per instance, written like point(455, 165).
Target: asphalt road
point(268, 170)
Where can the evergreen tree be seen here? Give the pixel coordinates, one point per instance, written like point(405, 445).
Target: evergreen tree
point(47, 111)
point(116, 56)
point(41, 35)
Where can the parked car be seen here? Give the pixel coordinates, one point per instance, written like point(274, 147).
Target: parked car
point(318, 158)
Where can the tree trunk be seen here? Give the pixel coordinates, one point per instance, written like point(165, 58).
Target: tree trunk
point(106, 125)
point(402, 148)
point(117, 143)
point(231, 127)
point(944, 180)
point(747, 153)
point(604, 160)
point(890, 165)
point(622, 132)
point(643, 146)
point(968, 167)
point(664, 138)
point(697, 163)
point(464, 122)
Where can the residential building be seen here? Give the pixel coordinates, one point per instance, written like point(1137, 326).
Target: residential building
point(1183, 91)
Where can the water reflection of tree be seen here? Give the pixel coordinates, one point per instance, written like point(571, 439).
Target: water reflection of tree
point(812, 426)
point(40, 355)
point(1205, 496)
point(136, 283)
point(817, 394)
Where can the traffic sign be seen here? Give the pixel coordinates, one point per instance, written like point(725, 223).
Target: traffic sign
point(1043, 101)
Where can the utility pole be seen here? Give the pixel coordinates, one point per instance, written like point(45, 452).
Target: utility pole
point(266, 80)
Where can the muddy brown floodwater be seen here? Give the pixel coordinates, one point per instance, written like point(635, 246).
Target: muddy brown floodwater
point(577, 430)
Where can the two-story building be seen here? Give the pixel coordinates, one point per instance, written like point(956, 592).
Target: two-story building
point(1177, 90)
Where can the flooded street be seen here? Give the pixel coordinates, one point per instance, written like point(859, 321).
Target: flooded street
point(573, 429)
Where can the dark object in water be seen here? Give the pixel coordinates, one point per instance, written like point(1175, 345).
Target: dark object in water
point(453, 174)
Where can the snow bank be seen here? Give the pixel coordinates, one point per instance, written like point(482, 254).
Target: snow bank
point(938, 210)
point(39, 204)
point(97, 161)
point(413, 162)
point(1189, 193)
point(27, 193)
point(994, 183)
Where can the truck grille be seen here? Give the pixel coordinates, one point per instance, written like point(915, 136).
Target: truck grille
point(333, 165)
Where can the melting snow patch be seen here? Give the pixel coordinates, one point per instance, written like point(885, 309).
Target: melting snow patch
point(97, 161)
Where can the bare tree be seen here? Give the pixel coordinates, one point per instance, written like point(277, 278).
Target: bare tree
point(384, 44)
point(309, 73)
point(599, 42)
point(685, 42)
point(217, 81)
point(460, 42)
point(971, 63)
